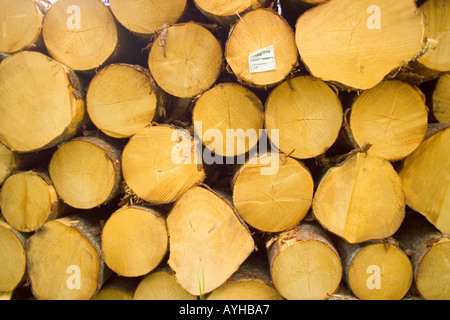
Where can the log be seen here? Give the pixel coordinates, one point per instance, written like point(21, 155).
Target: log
point(272, 194)
point(358, 43)
point(163, 155)
point(202, 253)
point(229, 118)
point(392, 117)
point(121, 108)
point(376, 270)
point(430, 256)
point(86, 172)
point(361, 199)
point(117, 288)
point(438, 22)
point(343, 293)
point(28, 200)
point(40, 102)
point(251, 282)
point(441, 99)
point(426, 182)
point(144, 18)
point(82, 36)
point(261, 49)
point(12, 257)
point(134, 240)
point(304, 115)
point(22, 25)
point(225, 12)
point(185, 60)
point(161, 284)
point(304, 264)
point(12, 162)
point(65, 260)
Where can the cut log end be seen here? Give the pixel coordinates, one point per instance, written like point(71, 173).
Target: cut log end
point(156, 154)
point(259, 30)
point(432, 278)
point(225, 12)
point(304, 264)
point(121, 108)
point(437, 13)
point(64, 261)
point(22, 25)
point(392, 117)
point(358, 43)
point(380, 272)
point(7, 163)
point(161, 285)
point(39, 106)
point(251, 282)
point(134, 241)
point(252, 289)
point(86, 172)
point(426, 181)
point(185, 60)
point(270, 195)
point(208, 241)
point(12, 258)
point(360, 200)
point(84, 38)
point(441, 99)
point(28, 200)
point(235, 117)
point(145, 17)
point(303, 117)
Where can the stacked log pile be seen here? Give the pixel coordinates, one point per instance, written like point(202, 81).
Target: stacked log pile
point(224, 150)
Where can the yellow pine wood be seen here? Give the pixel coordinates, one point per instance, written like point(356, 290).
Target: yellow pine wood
point(228, 12)
point(148, 157)
point(306, 270)
point(134, 241)
point(227, 107)
point(37, 102)
point(306, 116)
point(7, 162)
point(245, 289)
point(121, 108)
point(432, 276)
point(27, 200)
point(84, 48)
point(185, 60)
point(161, 285)
point(83, 174)
point(208, 241)
point(112, 294)
point(118, 288)
point(52, 251)
point(396, 273)
point(361, 199)
point(336, 44)
point(392, 117)
point(147, 17)
point(437, 13)
point(21, 25)
point(12, 258)
point(273, 201)
point(304, 265)
point(441, 99)
point(426, 181)
point(257, 30)
point(226, 8)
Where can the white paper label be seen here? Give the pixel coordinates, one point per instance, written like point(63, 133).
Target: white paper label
point(262, 60)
